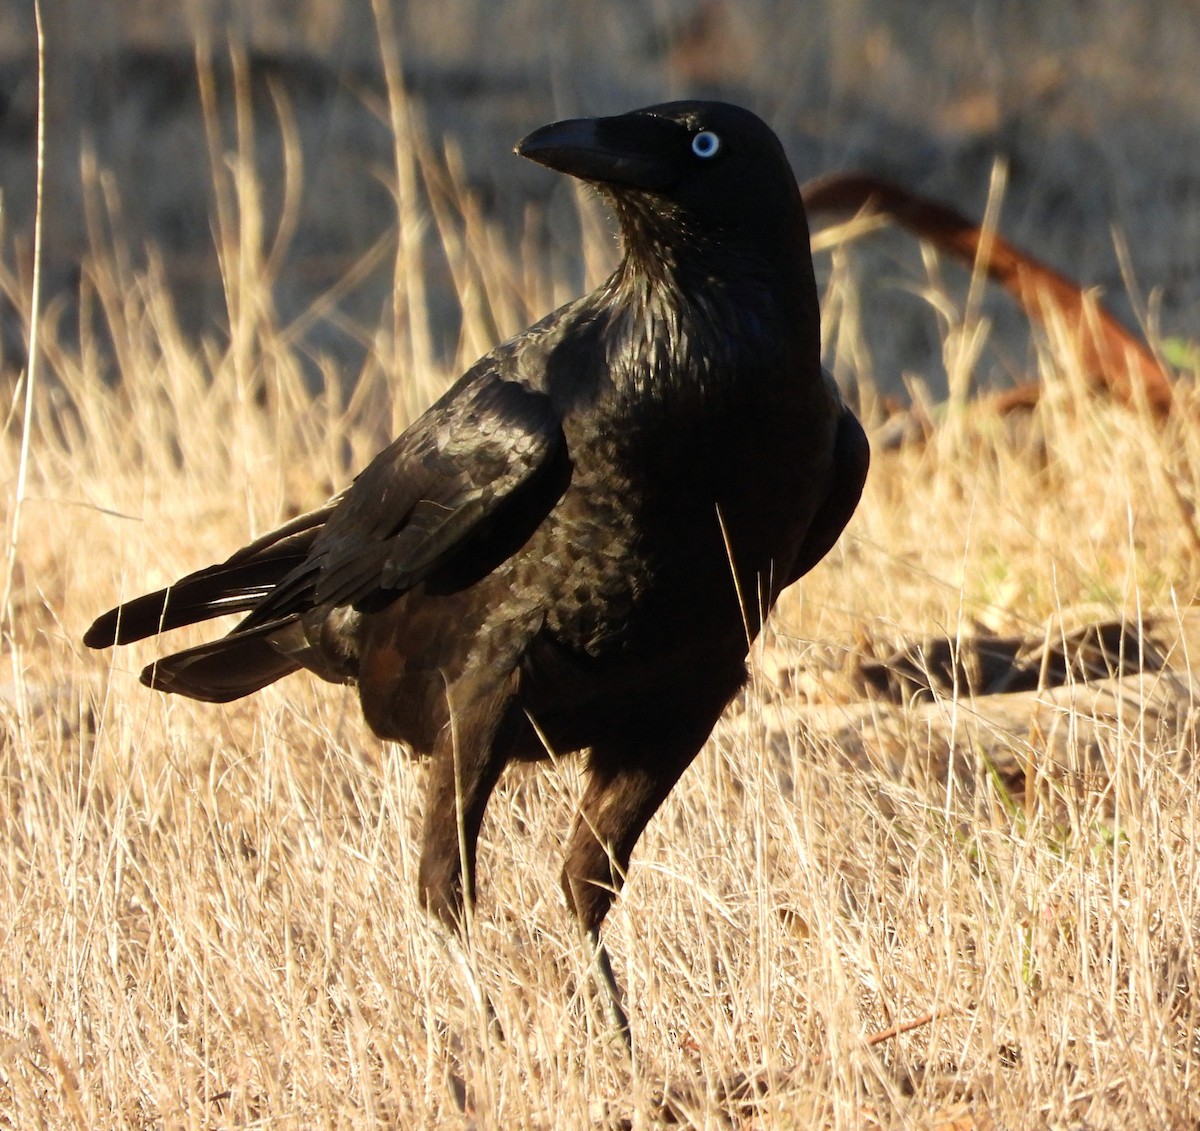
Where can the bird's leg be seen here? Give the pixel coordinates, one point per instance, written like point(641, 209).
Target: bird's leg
point(466, 764)
point(608, 982)
point(621, 797)
point(455, 798)
point(628, 780)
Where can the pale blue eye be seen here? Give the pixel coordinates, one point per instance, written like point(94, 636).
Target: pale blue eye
point(706, 144)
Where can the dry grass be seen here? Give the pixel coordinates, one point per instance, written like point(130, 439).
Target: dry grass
point(208, 915)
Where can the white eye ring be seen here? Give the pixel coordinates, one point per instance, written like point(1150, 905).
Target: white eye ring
point(706, 144)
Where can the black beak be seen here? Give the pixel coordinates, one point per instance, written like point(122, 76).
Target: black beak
point(632, 150)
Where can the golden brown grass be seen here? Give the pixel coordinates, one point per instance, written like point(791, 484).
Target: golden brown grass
point(208, 915)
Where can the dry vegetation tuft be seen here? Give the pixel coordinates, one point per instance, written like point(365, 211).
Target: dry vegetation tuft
point(208, 915)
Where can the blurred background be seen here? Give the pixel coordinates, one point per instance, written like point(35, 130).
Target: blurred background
point(1094, 106)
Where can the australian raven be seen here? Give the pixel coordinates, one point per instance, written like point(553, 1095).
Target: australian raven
point(574, 547)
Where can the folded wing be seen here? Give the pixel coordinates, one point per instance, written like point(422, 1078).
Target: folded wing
point(445, 504)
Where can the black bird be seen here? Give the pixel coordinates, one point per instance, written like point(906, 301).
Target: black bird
point(574, 547)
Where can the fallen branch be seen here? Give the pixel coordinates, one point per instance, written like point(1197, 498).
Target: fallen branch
point(1113, 358)
point(900, 1029)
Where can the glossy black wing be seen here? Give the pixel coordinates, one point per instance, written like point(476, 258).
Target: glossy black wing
point(461, 490)
point(847, 475)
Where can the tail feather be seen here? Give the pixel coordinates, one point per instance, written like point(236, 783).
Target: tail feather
point(200, 596)
point(221, 670)
point(233, 586)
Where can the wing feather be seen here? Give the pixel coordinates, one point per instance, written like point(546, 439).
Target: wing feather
point(477, 472)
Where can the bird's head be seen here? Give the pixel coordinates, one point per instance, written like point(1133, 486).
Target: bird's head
point(701, 171)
